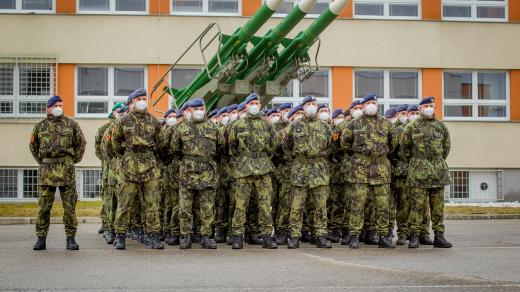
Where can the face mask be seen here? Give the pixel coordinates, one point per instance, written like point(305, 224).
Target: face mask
point(171, 121)
point(286, 117)
point(428, 111)
point(141, 105)
point(371, 109)
point(324, 116)
point(338, 121)
point(224, 121)
point(198, 115)
point(403, 119)
point(233, 117)
point(57, 111)
point(253, 109)
point(275, 120)
point(297, 117)
point(413, 118)
point(356, 114)
point(187, 116)
point(311, 110)
point(393, 120)
point(241, 115)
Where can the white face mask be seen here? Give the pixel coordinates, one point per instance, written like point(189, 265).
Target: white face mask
point(233, 117)
point(57, 111)
point(141, 105)
point(224, 121)
point(413, 118)
point(338, 121)
point(285, 117)
point(241, 115)
point(297, 117)
point(324, 116)
point(171, 121)
point(393, 120)
point(356, 114)
point(371, 109)
point(275, 120)
point(198, 115)
point(253, 109)
point(428, 111)
point(403, 119)
point(311, 110)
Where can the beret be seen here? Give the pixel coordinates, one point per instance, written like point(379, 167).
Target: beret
point(402, 108)
point(323, 106)
point(197, 102)
point(272, 111)
point(284, 106)
point(213, 113)
point(53, 100)
point(337, 113)
point(251, 97)
point(427, 100)
point(223, 110)
point(232, 107)
point(307, 99)
point(136, 93)
point(368, 98)
point(241, 107)
point(354, 104)
point(168, 112)
point(412, 108)
point(295, 110)
point(390, 113)
point(180, 114)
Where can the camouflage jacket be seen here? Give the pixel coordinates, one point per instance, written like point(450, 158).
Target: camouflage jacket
point(369, 142)
point(338, 156)
point(309, 143)
point(57, 144)
point(198, 145)
point(113, 159)
point(99, 152)
point(136, 137)
point(283, 157)
point(251, 143)
point(171, 168)
point(399, 163)
point(425, 144)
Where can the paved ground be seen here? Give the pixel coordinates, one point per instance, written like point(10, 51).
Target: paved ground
point(486, 257)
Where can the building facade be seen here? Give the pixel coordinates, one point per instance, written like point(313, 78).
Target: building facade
point(94, 52)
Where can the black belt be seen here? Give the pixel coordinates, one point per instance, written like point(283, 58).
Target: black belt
point(197, 158)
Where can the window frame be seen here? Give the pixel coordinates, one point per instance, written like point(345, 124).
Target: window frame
point(474, 101)
point(170, 80)
point(79, 183)
point(112, 9)
point(205, 10)
point(386, 9)
point(19, 185)
point(18, 9)
point(471, 195)
point(473, 4)
point(297, 98)
point(295, 2)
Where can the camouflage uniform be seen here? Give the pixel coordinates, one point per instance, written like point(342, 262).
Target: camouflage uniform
point(57, 144)
point(113, 159)
point(336, 203)
point(400, 192)
point(104, 169)
point(170, 184)
point(222, 201)
point(283, 177)
point(309, 142)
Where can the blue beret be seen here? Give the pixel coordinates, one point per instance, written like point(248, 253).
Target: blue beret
point(323, 106)
point(284, 106)
point(197, 102)
point(168, 112)
point(368, 97)
point(241, 107)
point(122, 109)
point(412, 108)
point(427, 100)
point(337, 113)
point(391, 112)
point(185, 106)
point(136, 93)
point(213, 113)
point(251, 97)
point(53, 100)
point(272, 111)
point(307, 99)
point(180, 114)
point(223, 110)
point(232, 107)
point(402, 108)
point(295, 110)
point(354, 103)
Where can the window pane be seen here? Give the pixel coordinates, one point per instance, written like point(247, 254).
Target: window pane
point(370, 9)
point(404, 10)
point(223, 6)
point(459, 189)
point(131, 5)
point(457, 11)
point(317, 85)
point(128, 80)
point(369, 82)
point(92, 107)
point(91, 184)
point(404, 85)
point(93, 81)
point(285, 7)
point(35, 79)
point(6, 79)
point(33, 107)
point(8, 4)
point(183, 77)
point(6, 107)
point(94, 5)
point(30, 183)
point(8, 183)
point(187, 5)
point(457, 85)
point(37, 4)
point(319, 7)
point(492, 111)
point(458, 111)
point(491, 12)
point(492, 86)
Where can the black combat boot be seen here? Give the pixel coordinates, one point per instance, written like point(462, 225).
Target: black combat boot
point(162, 236)
point(185, 242)
point(71, 243)
point(220, 235)
point(195, 238)
point(110, 237)
point(207, 243)
point(354, 241)
point(322, 242)
point(440, 241)
point(293, 243)
point(269, 242)
point(401, 240)
point(425, 239)
point(168, 238)
point(120, 241)
point(238, 242)
point(229, 240)
point(371, 238)
point(385, 242)
point(103, 228)
point(414, 241)
point(129, 234)
point(175, 240)
point(363, 235)
point(335, 237)
point(147, 239)
point(346, 239)
point(281, 239)
point(155, 241)
point(40, 244)
point(140, 236)
point(306, 236)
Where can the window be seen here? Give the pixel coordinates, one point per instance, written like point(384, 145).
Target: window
point(18, 183)
point(113, 6)
point(88, 183)
point(99, 87)
point(399, 9)
point(393, 87)
point(288, 5)
point(8, 183)
point(27, 6)
point(182, 77)
point(481, 10)
point(459, 188)
point(475, 186)
point(25, 85)
point(318, 85)
point(191, 7)
point(481, 95)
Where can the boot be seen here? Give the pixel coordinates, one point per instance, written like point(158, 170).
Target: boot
point(220, 236)
point(440, 241)
point(269, 242)
point(185, 242)
point(414, 241)
point(208, 243)
point(175, 240)
point(425, 239)
point(238, 242)
point(306, 236)
point(71, 243)
point(140, 236)
point(111, 236)
point(254, 239)
point(40, 244)
point(195, 238)
point(314, 240)
point(229, 240)
point(281, 239)
point(155, 241)
point(135, 235)
point(293, 243)
point(128, 234)
point(385, 242)
point(371, 238)
point(146, 238)
point(335, 237)
point(354, 242)
point(105, 234)
point(102, 229)
point(120, 241)
point(322, 242)
point(168, 238)
point(401, 240)
point(346, 239)
point(363, 235)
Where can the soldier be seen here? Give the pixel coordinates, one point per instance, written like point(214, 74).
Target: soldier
point(324, 113)
point(426, 144)
point(336, 202)
point(214, 117)
point(198, 143)
point(104, 173)
point(57, 143)
point(140, 133)
point(309, 141)
point(391, 116)
point(369, 140)
point(273, 116)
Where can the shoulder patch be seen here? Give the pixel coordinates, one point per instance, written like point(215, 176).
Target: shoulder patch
point(31, 138)
point(335, 137)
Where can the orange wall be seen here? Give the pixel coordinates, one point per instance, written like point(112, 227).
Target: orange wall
point(431, 9)
point(249, 7)
point(66, 87)
point(432, 86)
point(159, 7)
point(155, 72)
point(66, 6)
point(514, 94)
point(347, 12)
point(341, 87)
point(514, 10)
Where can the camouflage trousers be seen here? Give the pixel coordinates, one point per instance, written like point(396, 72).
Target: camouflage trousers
point(110, 201)
point(147, 193)
point(171, 211)
point(136, 213)
point(434, 198)
point(403, 201)
point(308, 217)
point(69, 197)
point(361, 194)
point(244, 193)
point(347, 207)
point(103, 194)
point(284, 209)
point(275, 199)
point(317, 197)
point(205, 200)
point(336, 207)
point(222, 207)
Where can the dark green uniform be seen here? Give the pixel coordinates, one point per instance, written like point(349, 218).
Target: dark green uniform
point(282, 173)
point(104, 169)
